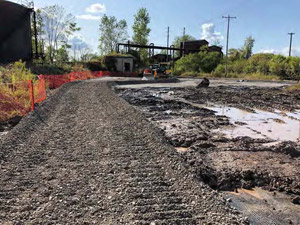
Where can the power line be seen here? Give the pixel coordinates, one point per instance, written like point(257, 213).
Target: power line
point(227, 42)
point(291, 41)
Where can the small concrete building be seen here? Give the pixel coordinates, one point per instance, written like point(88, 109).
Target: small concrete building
point(121, 63)
point(15, 32)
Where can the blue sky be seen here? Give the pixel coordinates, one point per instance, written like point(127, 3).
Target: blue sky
point(268, 21)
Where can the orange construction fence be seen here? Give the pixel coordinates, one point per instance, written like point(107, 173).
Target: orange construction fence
point(56, 81)
point(18, 99)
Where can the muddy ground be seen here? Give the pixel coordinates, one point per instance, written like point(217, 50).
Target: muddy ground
point(197, 123)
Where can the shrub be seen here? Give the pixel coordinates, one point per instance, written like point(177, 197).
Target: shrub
point(198, 62)
point(95, 65)
point(278, 66)
point(50, 69)
point(293, 88)
point(15, 73)
point(220, 70)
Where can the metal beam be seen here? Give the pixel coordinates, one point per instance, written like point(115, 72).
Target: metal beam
point(150, 47)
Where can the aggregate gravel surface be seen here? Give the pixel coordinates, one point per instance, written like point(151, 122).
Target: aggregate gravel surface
point(85, 156)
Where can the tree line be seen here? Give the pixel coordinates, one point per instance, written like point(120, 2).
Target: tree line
point(241, 62)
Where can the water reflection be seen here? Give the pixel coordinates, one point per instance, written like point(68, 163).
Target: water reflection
point(261, 124)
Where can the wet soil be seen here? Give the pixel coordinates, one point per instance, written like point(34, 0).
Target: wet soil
point(247, 98)
point(224, 162)
point(233, 138)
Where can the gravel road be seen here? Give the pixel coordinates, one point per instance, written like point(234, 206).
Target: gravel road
point(85, 156)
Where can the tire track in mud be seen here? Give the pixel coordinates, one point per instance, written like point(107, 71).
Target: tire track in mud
point(98, 162)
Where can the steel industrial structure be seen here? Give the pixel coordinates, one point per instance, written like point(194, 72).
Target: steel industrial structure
point(151, 47)
point(15, 32)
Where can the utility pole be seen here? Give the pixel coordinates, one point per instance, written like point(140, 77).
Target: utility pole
point(228, 28)
point(168, 37)
point(183, 42)
point(291, 41)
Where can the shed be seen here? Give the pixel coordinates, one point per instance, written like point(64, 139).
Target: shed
point(15, 32)
point(121, 63)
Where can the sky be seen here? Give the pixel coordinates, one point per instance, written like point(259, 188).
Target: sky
point(267, 21)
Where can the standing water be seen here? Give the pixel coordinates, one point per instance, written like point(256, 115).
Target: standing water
point(278, 126)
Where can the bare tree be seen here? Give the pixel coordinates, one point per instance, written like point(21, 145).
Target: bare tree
point(57, 27)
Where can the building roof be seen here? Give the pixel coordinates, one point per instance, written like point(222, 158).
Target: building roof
point(11, 14)
point(196, 41)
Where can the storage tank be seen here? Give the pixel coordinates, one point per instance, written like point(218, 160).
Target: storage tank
point(15, 32)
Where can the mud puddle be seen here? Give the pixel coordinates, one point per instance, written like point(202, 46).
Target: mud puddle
point(277, 126)
point(260, 124)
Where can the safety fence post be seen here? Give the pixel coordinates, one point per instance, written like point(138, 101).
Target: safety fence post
point(101, 73)
point(72, 78)
point(30, 85)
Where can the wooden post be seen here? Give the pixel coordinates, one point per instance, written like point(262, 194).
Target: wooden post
point(30, 85)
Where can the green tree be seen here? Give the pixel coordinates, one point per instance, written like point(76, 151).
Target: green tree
point(234, 54)
point(112, 32)
point(141, 31)
point(61, 55)
point(248, 47)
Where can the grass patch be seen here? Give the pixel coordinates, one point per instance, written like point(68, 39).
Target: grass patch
point(293, 88)
point(254, 76)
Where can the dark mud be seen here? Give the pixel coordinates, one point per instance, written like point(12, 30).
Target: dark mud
point(246, 97)
point(222, 162)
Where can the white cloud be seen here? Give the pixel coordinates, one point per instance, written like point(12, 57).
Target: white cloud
point(208, 33)
point(88, 17)
point(96, 8)
point(268, 51)
point(77, 42)
point(284, 51)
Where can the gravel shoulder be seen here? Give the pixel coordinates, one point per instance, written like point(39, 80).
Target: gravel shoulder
point(85, 156)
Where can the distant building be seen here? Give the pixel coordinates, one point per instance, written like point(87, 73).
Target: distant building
point(120, 63)
point(196, 45)
point(15, 32)
point(189, 47)
point(215, 48)
point(193, 46)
